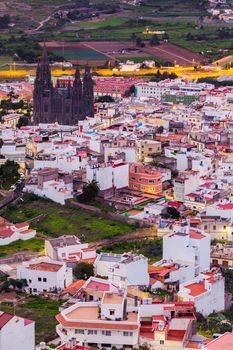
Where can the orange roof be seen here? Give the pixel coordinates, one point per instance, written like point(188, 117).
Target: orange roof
point(45, 266)
point(196, 235)
point(112, 298)
point(74, 287)
point(98, 325)
point(224, 342)
point(196, 289)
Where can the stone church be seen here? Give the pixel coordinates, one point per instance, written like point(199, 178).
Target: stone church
point(64, 105)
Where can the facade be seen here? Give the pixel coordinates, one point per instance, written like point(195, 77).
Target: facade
point(44, 275)
point(145, 179)
point(114, 174)
point(222, 255)
point(16, 332)
point(65, 105)
point(187, 244)
point(107, 323)
point(120, 269)
point(69, 248)
point(147, 149)
point(207, 291)
point(10, 233)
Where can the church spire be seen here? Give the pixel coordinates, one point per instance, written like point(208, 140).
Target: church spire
point(43, 73)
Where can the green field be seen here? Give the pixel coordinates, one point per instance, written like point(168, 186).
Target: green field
point(41, 311)
point(108, 22)
point(150, 248)
point(33, 244)
point(58, 220)
point(89, 55)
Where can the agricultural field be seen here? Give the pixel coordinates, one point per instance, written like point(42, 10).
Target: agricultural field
point(38, 310)
point(55, 220)
point(35, 245)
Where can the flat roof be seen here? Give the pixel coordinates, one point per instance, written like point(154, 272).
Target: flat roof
point(112, 298)
point(110, 258)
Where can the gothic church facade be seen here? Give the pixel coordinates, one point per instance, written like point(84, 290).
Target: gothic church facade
point(64, 105)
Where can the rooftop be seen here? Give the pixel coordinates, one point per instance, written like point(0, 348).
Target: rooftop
point(224, 342)
point(45, 266)
point(112, 298)
point(196, 289)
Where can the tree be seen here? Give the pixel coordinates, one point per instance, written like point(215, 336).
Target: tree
point(90, 192)
point(105, 98)
point(130, 91)
point(139, 42)
point(9, 174)
point(154, 41)
point(170, 213)
point(23, 121)
point(160, 129)
point(83, 270)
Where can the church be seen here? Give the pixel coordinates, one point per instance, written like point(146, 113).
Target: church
point(64, 105)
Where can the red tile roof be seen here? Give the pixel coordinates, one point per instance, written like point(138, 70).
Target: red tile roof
point(4, 319)
point(196, 289)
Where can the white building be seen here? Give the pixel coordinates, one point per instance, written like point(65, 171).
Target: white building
point(10, 233)
point(56, 190)
point(109, 175)
point(120, 269)
point(16, 332)
point(44, 275)
point(187, 244)
point(184, 182)
point(110, 322)
point(156, 90)
point(69, 248)
point(207, 291)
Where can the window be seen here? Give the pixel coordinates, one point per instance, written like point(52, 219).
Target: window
point(44, 279)
point(214, 227)
point(112, 312)
point(30, 281)
point(205, 227)
point(91, 331)
point(34, 290)
point(107, 333)
point(39, 279)
point(127, 334)
point(79, 331)
point(161, 342)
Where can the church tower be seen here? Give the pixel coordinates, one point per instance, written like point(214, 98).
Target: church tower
point(43, 89)
point(63, 104)
point(78, 108)
point(88, 93)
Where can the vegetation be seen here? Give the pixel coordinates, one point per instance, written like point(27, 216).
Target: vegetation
point(33, 244)
point(83, 271)
point(105, 98)
point(150, 248)
point(214, 323)
point(9, 174)
point(54, 220)
point(38, 310)
point(158, 76)
point(90, 192)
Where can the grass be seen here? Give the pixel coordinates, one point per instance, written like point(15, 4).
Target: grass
point(33, 244)
point(42, 311)
point(58, 220)
point(80, 54)
point(150, 248)
point(108, 22)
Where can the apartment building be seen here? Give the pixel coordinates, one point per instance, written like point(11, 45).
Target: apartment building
point(145, 179)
